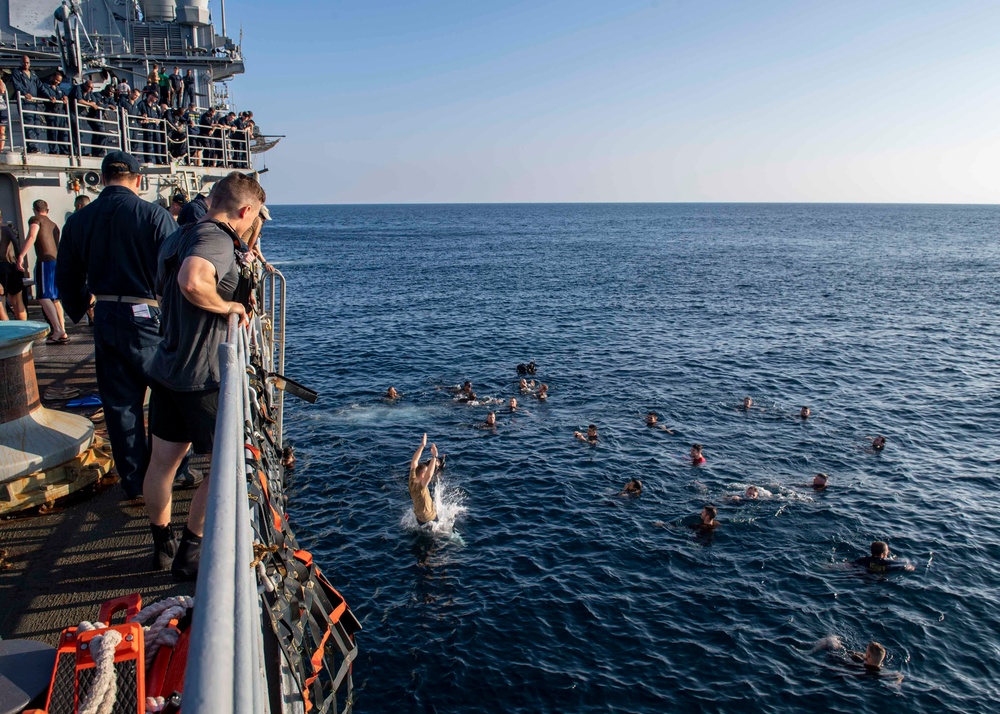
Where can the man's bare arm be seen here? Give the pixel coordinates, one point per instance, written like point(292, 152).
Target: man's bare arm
point(429, 473)
point(415, 461)
point(196, 279)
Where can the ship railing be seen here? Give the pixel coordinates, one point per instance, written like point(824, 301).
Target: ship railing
point(104, 134)
point(146, 139)
point(224, 147)
point(75, 134)
point(225, 670)
point(42, 129)
point(273, 300)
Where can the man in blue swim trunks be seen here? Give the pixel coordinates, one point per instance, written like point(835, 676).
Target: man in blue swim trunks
point(43, 234)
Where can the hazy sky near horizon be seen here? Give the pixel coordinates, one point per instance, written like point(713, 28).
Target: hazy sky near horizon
point(509, 101)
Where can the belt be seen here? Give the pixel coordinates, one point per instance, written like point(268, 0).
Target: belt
point(128, 299)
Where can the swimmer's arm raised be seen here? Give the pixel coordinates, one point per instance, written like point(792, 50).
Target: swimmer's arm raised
point(429, 472)
point(415, 461)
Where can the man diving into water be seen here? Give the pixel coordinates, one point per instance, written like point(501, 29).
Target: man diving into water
point(420, 478)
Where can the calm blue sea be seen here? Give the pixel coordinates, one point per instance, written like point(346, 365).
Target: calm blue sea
point(543, 591)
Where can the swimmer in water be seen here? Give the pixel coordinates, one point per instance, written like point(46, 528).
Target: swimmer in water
point(878, 443)
point(523, 386)
point(467, 397)
point(391, 393)
point(543, 393)
point(491, 421)
point(872, 659)
point(881, 561)
point(752, 494)
point(747, 403)
point(590, 437)
point(820, 481)
point(632, 488)
point(707, 522)
point(697, 458)
point(419, 482)
point(651, 419)
point(804, 413)
point(513, 405)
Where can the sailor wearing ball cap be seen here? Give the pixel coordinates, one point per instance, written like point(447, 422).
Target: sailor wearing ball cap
point(108, 254)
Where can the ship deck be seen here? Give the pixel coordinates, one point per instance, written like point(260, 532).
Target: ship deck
point(57, 568)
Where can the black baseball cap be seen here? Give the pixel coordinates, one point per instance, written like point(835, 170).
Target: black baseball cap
point(120, 157)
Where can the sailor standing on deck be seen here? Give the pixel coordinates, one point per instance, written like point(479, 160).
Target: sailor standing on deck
point(110, 245)
point(26, 86)
point(202, 281)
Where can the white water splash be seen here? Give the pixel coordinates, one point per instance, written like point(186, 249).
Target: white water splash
point(450, 505)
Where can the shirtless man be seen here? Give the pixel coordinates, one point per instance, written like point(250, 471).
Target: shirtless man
point(543, 393)
point(420, 479)
point(11, 277)
point(590, 437)
point(391, 393)
point(752, 494)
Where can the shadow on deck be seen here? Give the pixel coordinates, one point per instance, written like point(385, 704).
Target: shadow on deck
point(57, 568)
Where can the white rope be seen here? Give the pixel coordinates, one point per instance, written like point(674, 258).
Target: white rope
point(158, 634)
point(104, 687)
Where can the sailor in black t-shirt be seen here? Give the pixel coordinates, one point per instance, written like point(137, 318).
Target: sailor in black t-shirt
point(880, 561)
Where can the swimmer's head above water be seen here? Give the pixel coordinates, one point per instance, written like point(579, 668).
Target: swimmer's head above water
point(874, 655)
point(467, 387)
point(696, 456)
point(820, 481)
point(491, 419)
point(804, 413)
point(632, 488)
point(513, 404)
point(391, 393)
point(752, 493)
point(523, 385)
point(651, 419)
point(708, 514)
point(747, 402)
point(878, 443)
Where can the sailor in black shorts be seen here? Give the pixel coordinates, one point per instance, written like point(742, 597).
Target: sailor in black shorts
point(202, 279)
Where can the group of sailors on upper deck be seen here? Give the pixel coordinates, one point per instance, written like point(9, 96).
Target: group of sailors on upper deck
point(162, 121)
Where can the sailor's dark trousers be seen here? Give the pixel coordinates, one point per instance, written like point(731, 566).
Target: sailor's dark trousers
point(124, 346)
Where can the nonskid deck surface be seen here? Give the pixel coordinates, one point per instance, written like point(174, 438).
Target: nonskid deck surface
point(56, 569)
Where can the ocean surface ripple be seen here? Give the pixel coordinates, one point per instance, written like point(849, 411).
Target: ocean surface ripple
point(547, 592)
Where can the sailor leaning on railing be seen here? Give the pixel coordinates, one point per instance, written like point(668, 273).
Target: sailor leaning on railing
point(129, 253)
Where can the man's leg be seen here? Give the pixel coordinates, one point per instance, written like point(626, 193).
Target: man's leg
point(17, 306)
point(157, 486)
point(54, 316)
point(196, 514)
point(123, 390)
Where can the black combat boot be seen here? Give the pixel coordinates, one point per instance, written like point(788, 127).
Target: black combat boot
point(164, 547)
point(185, 565)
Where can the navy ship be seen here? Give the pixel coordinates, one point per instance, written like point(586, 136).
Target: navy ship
point(53, 152)
point(85, 627)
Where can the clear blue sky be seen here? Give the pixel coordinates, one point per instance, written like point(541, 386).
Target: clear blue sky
point(447, 101)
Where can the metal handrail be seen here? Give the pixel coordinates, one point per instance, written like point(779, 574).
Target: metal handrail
point(212, 680)
point(230, 148)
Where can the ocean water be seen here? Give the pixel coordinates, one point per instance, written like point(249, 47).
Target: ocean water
point(543, 590)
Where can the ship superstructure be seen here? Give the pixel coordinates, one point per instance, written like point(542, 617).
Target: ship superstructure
point(54, 153)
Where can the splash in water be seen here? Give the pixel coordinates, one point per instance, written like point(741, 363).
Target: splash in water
point(449, 502)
